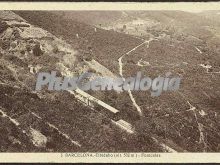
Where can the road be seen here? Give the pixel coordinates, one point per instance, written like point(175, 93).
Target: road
point(156, 140)
point(121, 71)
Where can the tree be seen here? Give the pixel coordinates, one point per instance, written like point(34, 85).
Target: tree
point(124, 27)
point(55, 49)
point(5, 44)
point(3, 26)
point(37, 50)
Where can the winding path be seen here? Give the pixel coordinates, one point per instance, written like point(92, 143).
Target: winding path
point(121, 72)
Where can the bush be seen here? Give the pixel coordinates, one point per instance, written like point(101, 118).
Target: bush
point(69, 60)
point(37, 50)
point(3, 26)
point(80, 58)
point(13, 45)
point(55, 49)
point(15, 60)
point(5, 44)
point(28, 47)
point(16, 33)
point(88, 58)
point(91, 70)
point(22, 52)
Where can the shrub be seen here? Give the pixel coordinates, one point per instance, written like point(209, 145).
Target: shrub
point(55, 49)
point(88, 58)
point(37, 50)
point(16, 33)
point(13, 45)
point(5, 44)
point(87, 55)
point(91, 70)
point(69, 60)
point(124, 27)
point(22, 52)
point(80, 58)
point(3, 26)
point(28, 47)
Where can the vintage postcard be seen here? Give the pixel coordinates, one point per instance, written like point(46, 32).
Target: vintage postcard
point(109, 82)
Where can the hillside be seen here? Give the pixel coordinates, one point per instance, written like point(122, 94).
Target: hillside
point(101, 45)
point(185, 44)
point(48, 121)
point(71, 43)
point(175, 24)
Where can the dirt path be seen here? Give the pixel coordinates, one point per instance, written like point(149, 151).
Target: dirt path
point(163, 145)
point(121, 72)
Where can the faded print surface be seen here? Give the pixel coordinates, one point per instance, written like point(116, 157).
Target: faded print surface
point(117, 45)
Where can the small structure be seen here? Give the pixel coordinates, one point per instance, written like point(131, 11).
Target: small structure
point(124, 125)
point(96, 104)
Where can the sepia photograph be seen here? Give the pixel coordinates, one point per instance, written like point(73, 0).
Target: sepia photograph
point(110, 81)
